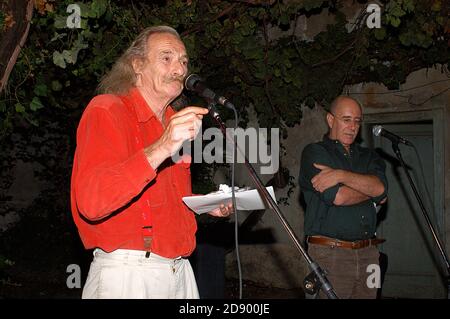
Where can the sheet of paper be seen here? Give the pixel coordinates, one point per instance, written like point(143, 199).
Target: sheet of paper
point(245, 200)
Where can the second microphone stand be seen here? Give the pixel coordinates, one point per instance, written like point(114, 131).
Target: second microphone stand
point(438, 243)
point(317, 276)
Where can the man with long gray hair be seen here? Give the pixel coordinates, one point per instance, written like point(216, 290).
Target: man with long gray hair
point(126, 191)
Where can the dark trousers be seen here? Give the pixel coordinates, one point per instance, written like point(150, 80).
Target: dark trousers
point(347, 270)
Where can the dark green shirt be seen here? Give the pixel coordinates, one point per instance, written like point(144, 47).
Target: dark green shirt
point(322, 217)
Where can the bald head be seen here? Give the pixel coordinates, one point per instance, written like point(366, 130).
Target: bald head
point(343, 100)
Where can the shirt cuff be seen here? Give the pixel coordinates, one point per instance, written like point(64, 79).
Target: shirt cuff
point(138, 170)
point(379, 198)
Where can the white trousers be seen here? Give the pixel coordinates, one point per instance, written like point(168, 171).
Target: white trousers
point(128, 274)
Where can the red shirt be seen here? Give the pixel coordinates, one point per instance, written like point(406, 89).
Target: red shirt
point(118, 199)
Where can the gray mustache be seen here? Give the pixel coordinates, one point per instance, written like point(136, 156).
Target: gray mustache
point(177, 78)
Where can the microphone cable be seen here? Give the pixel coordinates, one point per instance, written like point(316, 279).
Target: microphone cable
point(233, 199)
point(194, 83)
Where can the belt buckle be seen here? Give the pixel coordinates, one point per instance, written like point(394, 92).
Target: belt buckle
point(336, 243)
point(358, 244)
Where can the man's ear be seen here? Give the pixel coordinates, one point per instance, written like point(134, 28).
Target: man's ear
point(137, 65)
point(330, 119)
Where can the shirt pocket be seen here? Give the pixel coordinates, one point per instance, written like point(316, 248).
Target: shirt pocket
point(157, 191)
point(182, 179)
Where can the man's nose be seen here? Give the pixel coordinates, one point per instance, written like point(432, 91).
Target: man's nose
point(179, 69)
point(353, 125)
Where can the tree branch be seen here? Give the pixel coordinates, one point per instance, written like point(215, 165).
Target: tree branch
point(266, 62)
point(14, 37)
point(348, 48)
point(202, 26)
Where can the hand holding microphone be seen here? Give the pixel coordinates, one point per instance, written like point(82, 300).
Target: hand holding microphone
point(183, 125)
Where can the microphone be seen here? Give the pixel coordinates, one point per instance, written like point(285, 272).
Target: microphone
point(379, 130)
point(195, 83)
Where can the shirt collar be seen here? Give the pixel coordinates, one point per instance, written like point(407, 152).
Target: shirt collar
point(338, 144)
point(143, 111)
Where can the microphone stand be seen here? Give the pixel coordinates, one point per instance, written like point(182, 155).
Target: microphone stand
point(319, 279)
point(425, 214)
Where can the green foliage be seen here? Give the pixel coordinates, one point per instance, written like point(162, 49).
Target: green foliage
point(421, 31)
point(261, 60)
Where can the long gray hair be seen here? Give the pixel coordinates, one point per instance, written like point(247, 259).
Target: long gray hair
point(121, 78)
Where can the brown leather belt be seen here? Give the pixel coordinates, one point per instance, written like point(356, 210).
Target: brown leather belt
point(358, 244)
